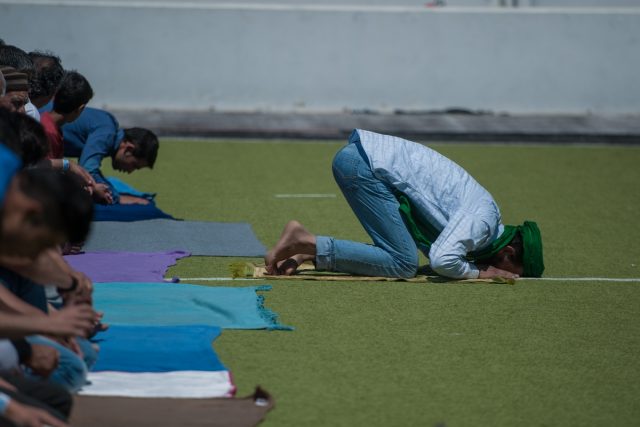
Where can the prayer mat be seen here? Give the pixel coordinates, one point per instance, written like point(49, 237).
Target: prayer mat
point(166, 304)
point(128, 212)
point(159, 361)
point(124, 188)
point(125, 266)
point(306, 271)
point(132, 348)
point(92, 411)
point(159, 235)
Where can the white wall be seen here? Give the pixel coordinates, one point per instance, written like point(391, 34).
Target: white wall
point(306, 57)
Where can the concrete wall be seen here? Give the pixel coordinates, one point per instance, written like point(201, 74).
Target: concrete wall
point(306, 57)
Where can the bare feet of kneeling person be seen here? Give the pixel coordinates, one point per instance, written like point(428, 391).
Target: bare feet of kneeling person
point(294, 240)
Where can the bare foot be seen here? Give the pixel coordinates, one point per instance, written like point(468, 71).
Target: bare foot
point(294, 240)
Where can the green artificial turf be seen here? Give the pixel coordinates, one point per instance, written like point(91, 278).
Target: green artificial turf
point(404, 354)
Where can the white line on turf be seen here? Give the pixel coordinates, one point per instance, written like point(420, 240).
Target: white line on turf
point(305, 196)
point(585, 279)
point(555, 279)
point(208, 279)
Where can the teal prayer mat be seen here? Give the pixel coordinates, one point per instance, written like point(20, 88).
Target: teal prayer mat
point(169, 304)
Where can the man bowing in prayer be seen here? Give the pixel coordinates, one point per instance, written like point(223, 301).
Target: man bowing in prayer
point(406, 197)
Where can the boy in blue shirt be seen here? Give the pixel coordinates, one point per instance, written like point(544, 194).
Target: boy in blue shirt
point(95, 135)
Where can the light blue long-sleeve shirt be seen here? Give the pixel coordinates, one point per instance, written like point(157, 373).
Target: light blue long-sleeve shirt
point(92, 137)
point(445, 196)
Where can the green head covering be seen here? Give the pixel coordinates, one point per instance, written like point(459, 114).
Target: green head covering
point(532, 245)
point(503, 240)
point(532, 262)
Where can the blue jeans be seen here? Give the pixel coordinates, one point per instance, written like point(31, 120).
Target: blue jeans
point(393, 253)
point(71, 372)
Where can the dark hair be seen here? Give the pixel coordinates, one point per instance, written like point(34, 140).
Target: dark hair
point(48, 74)
point(146, 143)
point(518, 247)
point(32, 138)
point(17, 58)
point(74, 91)
point(68, 207)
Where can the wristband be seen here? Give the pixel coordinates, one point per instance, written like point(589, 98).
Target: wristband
point(74, 286)
point(65, 164)
point(4, 402)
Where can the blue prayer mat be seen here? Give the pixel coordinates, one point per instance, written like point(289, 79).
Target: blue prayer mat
point(124, 188)
point(128, 212)
point(129, 348)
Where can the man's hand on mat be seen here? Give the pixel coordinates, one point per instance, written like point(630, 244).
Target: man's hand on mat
point(43, 360)
point(70, 321)
point(85, 176)
point(102, 194)
point(491, 272)
point(132, 200)
point(30, 416)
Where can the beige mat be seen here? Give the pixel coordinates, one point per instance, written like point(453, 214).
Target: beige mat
point(93, 411)
point(307, 271)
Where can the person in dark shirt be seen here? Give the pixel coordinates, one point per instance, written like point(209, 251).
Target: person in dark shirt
point(95, 135)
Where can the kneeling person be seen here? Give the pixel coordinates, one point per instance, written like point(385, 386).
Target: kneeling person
point(95, 135)
point(408, 196)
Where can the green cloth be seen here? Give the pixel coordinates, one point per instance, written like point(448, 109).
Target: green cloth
point(503, 240)
point(421, 232)
point(532, 258)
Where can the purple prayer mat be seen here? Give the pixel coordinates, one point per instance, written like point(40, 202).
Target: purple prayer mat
point(125, 266)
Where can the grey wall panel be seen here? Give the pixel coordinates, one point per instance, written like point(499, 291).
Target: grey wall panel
point(190, 56)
